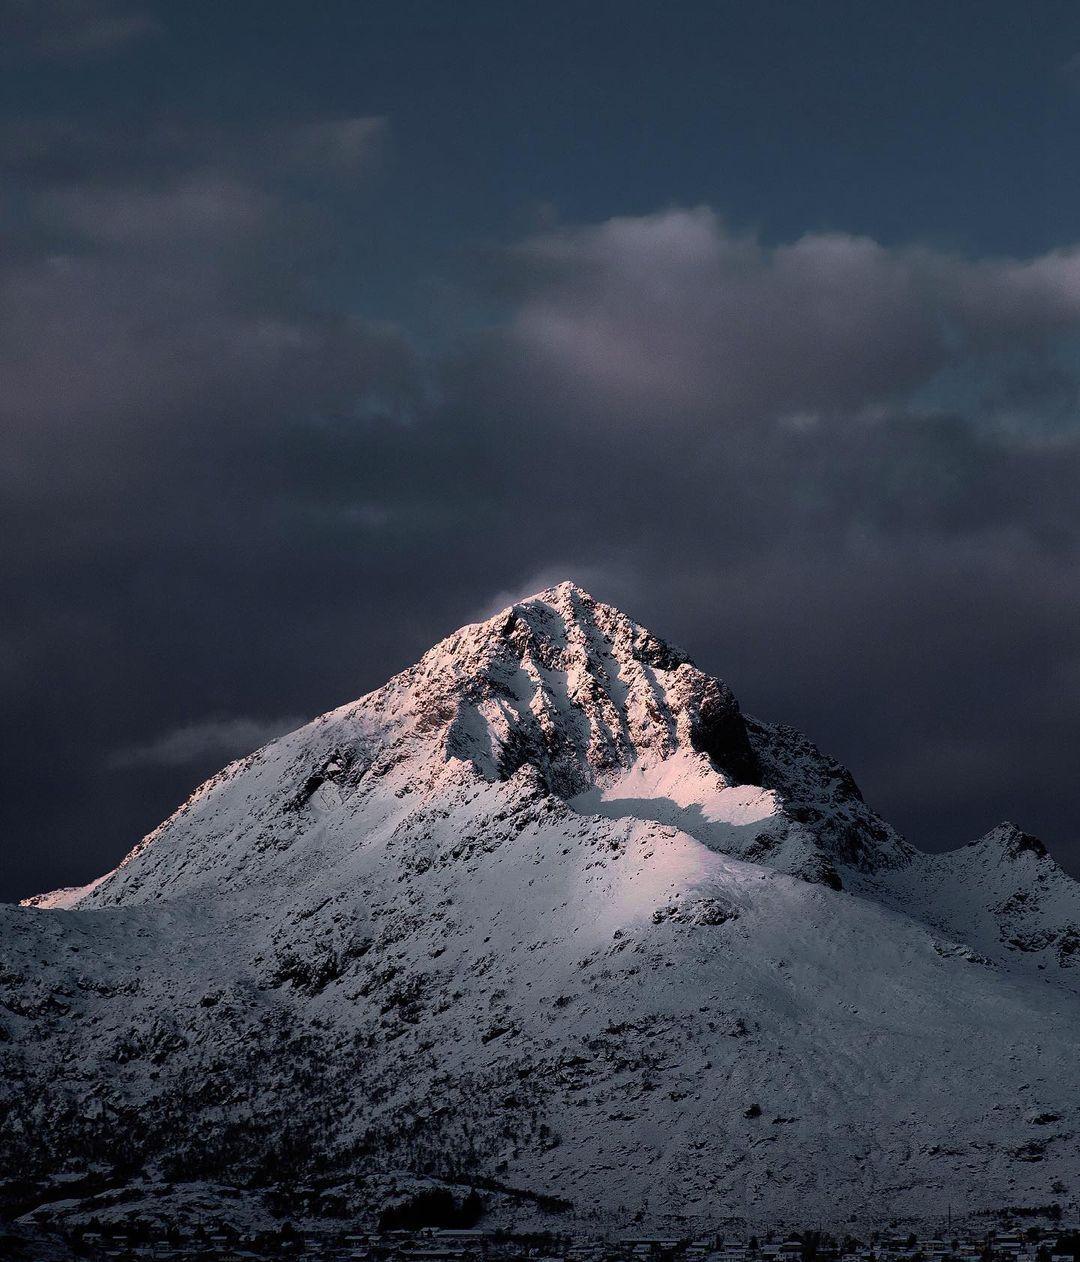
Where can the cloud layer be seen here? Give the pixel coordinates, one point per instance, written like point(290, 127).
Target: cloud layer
point(671, 313)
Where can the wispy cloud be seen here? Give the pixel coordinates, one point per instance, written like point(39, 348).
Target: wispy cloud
point(224, 738)
point(595, 578)
point(65, 29)
point(334, 145)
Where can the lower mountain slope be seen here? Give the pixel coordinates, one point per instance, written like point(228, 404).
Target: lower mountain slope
point(548, 914)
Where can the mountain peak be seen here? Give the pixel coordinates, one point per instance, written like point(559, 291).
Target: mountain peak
point(559, 594)
point(1011, 842)
point(570, 605)
point(558, 695)
point(574, 687)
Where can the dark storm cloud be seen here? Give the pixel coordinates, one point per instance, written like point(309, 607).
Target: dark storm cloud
point(142, 308)
point(814, 464)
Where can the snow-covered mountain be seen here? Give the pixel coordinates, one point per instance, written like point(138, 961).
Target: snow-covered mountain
point(547, 913)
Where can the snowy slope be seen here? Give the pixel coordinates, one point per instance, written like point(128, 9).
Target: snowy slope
point(1004, 895)
point(548, 911)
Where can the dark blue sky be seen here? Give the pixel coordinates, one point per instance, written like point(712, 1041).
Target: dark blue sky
point(953, 124)
point(324, 326)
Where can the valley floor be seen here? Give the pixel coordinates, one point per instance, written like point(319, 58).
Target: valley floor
point(996, 1238)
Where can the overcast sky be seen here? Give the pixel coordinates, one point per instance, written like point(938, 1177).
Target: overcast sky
point(325, 328)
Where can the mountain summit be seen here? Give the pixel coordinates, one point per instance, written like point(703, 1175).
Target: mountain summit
point(558, 691)
point(548, 914)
